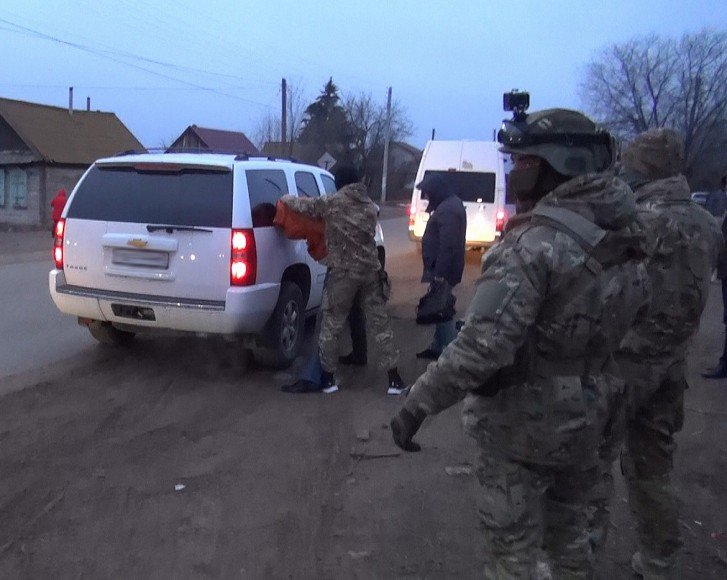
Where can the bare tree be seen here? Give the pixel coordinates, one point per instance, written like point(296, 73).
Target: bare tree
point(367, 117)
point(651, 82)
point(269, 127)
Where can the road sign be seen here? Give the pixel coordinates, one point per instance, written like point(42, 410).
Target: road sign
point(327, 161)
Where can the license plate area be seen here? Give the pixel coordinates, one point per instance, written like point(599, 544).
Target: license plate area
point(133, 312)
point(140, 258)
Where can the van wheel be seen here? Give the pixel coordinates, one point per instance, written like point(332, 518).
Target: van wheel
point(105, 333)
point(284, 334)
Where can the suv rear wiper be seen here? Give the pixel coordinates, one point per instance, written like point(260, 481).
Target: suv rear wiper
point(169, 229)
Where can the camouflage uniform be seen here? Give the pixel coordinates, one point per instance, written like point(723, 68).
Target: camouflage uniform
point(538, 341)
point(653, 354)
point(353, 267)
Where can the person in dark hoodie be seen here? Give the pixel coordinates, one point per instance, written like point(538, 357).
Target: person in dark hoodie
point(443, 249)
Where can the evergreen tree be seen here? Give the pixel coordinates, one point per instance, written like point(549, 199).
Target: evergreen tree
point(326, 124)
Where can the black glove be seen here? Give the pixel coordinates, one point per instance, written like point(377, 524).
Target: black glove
point(404, 426)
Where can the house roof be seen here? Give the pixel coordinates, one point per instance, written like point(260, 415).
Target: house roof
point(59, 137)
point(221, 140)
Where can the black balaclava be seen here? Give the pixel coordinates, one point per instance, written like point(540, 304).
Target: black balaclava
point(530, 185)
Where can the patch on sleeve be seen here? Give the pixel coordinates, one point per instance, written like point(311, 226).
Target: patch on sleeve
point(490, 299)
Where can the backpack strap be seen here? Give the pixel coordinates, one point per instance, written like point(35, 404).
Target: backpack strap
point(581, 230)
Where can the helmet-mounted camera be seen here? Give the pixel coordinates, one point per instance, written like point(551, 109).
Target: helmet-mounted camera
point(517, 102)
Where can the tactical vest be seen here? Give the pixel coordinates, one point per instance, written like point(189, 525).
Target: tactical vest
point(604, 249)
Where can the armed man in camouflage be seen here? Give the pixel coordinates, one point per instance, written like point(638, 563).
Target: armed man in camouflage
point(353, 268)
point(534, 360)
point(653, 354)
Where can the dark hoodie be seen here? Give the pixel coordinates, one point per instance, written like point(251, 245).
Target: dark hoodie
point(443, 242)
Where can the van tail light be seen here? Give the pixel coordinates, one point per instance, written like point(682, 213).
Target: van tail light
point(58, 243)
point(500, 219)
point(243, 258)
point(412, 214)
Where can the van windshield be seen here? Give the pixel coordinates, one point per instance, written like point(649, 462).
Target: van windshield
point(469, 185)
point(186, 196)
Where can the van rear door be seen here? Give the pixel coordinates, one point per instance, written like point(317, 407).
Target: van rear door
point(155, 229)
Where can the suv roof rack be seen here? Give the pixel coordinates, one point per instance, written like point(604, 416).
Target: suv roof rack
point(238, 156)
point(247, 157)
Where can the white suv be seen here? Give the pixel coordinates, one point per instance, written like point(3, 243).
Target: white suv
point(186, 242)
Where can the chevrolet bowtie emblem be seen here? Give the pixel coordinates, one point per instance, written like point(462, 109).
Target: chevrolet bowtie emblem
point(137, 243)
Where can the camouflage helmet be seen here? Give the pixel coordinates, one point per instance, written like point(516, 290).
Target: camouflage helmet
point(568, 140)
point(655, 154)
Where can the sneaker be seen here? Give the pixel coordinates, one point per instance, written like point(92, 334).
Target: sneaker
point(301, 386)
point(329, 384)
point(396, 387)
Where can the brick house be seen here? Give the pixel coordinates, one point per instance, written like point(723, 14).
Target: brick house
point(195, 138)
point(44, 149)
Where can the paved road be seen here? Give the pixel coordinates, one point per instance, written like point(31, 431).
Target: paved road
point(275, 485)
point(33, 332)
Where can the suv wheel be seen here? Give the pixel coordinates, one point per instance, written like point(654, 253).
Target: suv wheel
point(284, 334)
point(105, 333)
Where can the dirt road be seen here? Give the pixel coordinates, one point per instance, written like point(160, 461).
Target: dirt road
point(94, 451)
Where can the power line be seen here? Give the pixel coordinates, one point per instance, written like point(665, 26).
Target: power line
point(108, 54)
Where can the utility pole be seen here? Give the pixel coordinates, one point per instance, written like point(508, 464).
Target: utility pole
point(385, 169)
point(283, 123)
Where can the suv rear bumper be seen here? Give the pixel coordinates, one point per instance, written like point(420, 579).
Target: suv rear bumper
point(245, 310)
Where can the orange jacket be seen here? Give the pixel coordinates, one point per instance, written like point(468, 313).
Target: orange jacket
point(297, 226)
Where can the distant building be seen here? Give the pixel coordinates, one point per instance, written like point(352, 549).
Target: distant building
point(44, 149)
point(195, 138)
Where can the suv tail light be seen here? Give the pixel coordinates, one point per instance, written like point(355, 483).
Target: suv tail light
point(412, 215)
point(243, 258)
point(58, 243)
point(500, 219)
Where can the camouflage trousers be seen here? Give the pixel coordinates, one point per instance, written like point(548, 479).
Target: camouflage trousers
point(656, 416)
point(535, 518)
point(340, 292)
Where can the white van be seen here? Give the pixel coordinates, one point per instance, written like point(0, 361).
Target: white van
point(477, 172)
point(186, 242)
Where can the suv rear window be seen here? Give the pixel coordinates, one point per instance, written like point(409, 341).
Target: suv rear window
point(266, 187)
point(469, 185)
point(182, 196)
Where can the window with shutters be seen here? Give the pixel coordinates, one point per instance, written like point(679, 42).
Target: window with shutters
point(16, 187)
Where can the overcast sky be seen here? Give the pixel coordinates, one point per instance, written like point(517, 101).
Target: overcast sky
point(166, 64)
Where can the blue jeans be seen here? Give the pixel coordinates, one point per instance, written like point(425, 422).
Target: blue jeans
point(313, 369)
point(444, 333)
